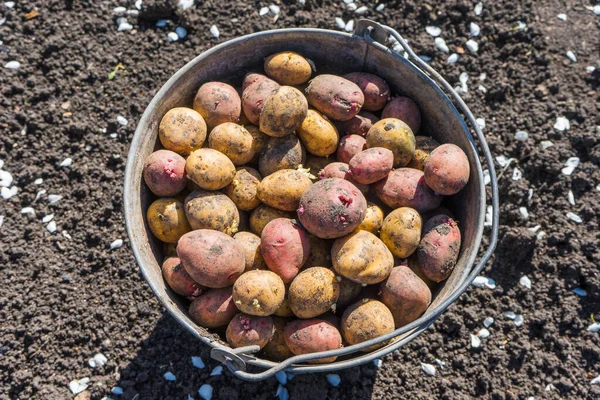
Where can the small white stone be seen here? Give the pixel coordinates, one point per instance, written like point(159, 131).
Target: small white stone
point(161, 23)
point(472, 45)
point(98, 361)
point(38, 181)
point(546, 144)
point(562, 124)
point(595, 327)
point(6, 178)
point(541, 235)
point(488, 216)
point(580, 292)
point(66, 234)
point(518, 320)
point(535, 228)
point(361, 10)
point(482, 281)
point(198, 363)
point(216, 371)
point(596, 380)
point(181, 32)
point(206, 391)
point(138, 4)
point(51, 227)
point(39, 195)
point(333, 379)
point(474, 29)
point(570, 165)
point(169, 376)
point(562, 17)
point(47, 218)
point(486, 177)
point(517, 174)
point(440, 43)
point(549, 387)
point(66, 162)
point(1, 220)
point(122, 120)
point(453, 58)
point(524, 213)
point(525, 281)
point(440, 363)
point(9, 4)
point(503, 161)
point(263, 11)
point(380, 7)
point(590, 69)
point(482, 88)
point(377, 362)
point(475, 342)
point(521, 135)
point(352, 6)
point(571, 56)
point(488, 322)
point(480, 122)
point(433, 30)
point(27, 211)
point(340, 23)
point(274, 9)
point(281, 377)
point(2, 21)
point(529, 194)
point(510, 315)
point(53, 198)
point(428, 369)
point(574, 217)
point(119, 10)
point(7, 193)
point(185, 4)
point(349, 26)
point(214, 31)
point(12, 65)
point(596, 9)
point(124, 26)
point(478, 8)
point(483, 333)
point(571, 198)
point(116, 244)
point(78, 386)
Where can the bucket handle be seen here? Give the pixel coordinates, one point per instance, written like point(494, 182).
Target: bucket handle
point(235, 359)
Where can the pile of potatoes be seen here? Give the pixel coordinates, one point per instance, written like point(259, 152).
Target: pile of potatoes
point(300, 214)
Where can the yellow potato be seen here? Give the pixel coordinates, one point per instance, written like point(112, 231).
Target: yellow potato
point(365, 320)
point(167, 220)
point(401, 231)
point(288, 68)
point(252, 254)
point(234, 141)
point(212, 210)
point(395, 135)
point(424, 146)
point(283, 112)
point(259, 141)
point(284, 309)
point(313, 292)
point(182, 130)
point(283, 189)
point(243, 189)
point(318, 135)
point(210, 169)
point(258, 292)
point(264, 214)
point(373, 219)
point(320, 253)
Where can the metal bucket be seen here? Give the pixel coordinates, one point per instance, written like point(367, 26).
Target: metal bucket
point(332, 52)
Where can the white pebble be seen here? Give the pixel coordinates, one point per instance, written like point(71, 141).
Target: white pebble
point(66, 162)
point(433, 30)
point(274, 9)
point(263, 11)
point(28, 210)
point(478, 8)
point(483, 333)
point(580, 292)
point(517, 174)
point(463, 78)
point(529, 194)
point(349, 26)
point(503, 161)
point(441, 44)
point(352, 6)
point(453, 58)
point(66, 234)
point(570, 165)
point(97, 361)
point(198, 363)
point(185, 4)
point(51, 227)
point(380, 7)
point(486, 177)
point(596, 380)
point(571, 198)
point(488, 322)
point(521, 135)
point(574, 217)
point(39, 195)
point(480, 122)
point(549, 387)
point(340, 23)
point(117, 390)
point(562, 124)
point(535, 228)
point(596, 9)
point(9, 4)
point(482, 88)
point(124, 26)
point(206, 391)
point(571, 56)
point(161, 23)
point(214, 31)
point(510, 315)
point(440, 363)
point(282, 393)
point(475, 342)
point(79, 386)
point(482, 281)
point(562, 17)
point(472, 45)
point(12, 65)
point(119, 10)
point(333, 379)
point(361, 10)
point(122, 120)
point(525, 281)
point(169, 376)
point(6, 178)
point(53, 198)
point(524, 213)
point(488, 216)
point(1, 220)
point(428, 369)
point(281, 377)
point(546, 144)
point(474, 29)
point(2, 21)
point(595, 327)
point(518, 320)
point(590, 69)
point(218, 370)
point(47, 218)
point(181, 32)
point(7, 193)
point(138, 4)
point(377, 362)
point(540, 235)
point(38, 181)
point(171, 37)
point(116, 244)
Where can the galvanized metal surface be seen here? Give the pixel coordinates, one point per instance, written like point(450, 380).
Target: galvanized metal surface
point(332, 52)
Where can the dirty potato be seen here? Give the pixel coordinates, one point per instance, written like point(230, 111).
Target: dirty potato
point(182, 130)
point(304, 336)
point(212, 210)
point(375, 89)
point(395, 135)
point(252, 254)
point(285, 246)
point(319, 136)
point(288, 68)
point(283, 112)
point(218, 103)
point(405, 110)
point(357, 125)
point(373, 219)
point(334, 96)
point(281, 153)
point(233, 140)
point(164, 173)
point(166, 219)
point(256, 90)
point(179, 280)
point(406, 295)
point(447, 169)
point(283, 189)
point(214, 308)
point(439, 247)
point(258, 292)
point(313, 292)
point(264, 214)
point(406, 187)
point(401, 231)
point(210, 169)
point(249, 330)
point(243, 189)
point(350, 146)
point(365, 320)
point(424, 146)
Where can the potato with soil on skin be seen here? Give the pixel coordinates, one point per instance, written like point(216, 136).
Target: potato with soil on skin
point(256, 89)
point(259, 142)
point(166, 220)
point(210, 169)
point(179, 280)
point(320, 254)
point(288, 68)
point(405, 110)
point(250, 244)
point(211, 258)
point(405, 294)
point(371, 165)
point(332, 208)
point(283, 189)
point(182, 130)
point(313, 292)
point(285, 246)
point(413, 263)
point(439, 247)
point(276, 349)
point(342, 171)
point(243, 189)
point(447, 170)
point(375, 90)
point(334, 96)
point(362, 257)
point(424, 146)
point(233, 140)
point(395, 135)
point(319, 136)
point(401, 231)
point(281, 153)
point(373, 219)
point(350, 146)
point(258, 292)
point(305, 336)
point(214, 308)
point(357, 125)
point(217, 103)
point(365, 320)
point(248, 330)
point(349, 291)
point(315, 164)
point(212, 210)
point(264, 214)
point(283, 112)
point(164, 173)
point(406, 187)
point(284, 309)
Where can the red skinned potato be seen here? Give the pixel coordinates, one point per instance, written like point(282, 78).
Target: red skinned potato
point(211, 258)
point(334, 96)
point(164, 173)
point(403, 109)
point(256, 90)
point(305, 336)
point(248, 330)
point(283, 112)
point(350, 146)
point(375, 90)
point(218, 103)
point(405, 294)
point(439, 247)
point(395, 135)
point(371, 165)
point(179, 280)
point(357, 125)
point(264, 214)
point(285, 247)
point(447, 169)
point(342, 171)
point(406, 187)
point(332, 208)
point(214, 308)
point(413, 263)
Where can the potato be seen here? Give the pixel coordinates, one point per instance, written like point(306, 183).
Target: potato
point(250, 244)
point(218, 103)
point(211, 258)
point(334, 96)
point(276, 349)
point(424, 146)
point(285, 246)
point(357, 125)
point(401, 231)
point(288, 68)
point(210, 169)
point(315, 164)
point(164, 173)
point(304, 336)
point(413, 263)
point(319, 136)
point(371, 165)
point(440, 210)
point(283, 112)
point(283, 189)
point(284, 309)
point(243, 189)
point(170, 250)
point(178, 279)
point(366, 320)
point(320, 254)
point(258, 292)
point(182, 130)
point(233, 140)
point(405, 110)
point(264, 214)
point(350, 146)
point(447, 170)
point(348, 292)
point(259, 142)
point(281, 153)
point(342, 171)
point(214, 308)
point(212, 210)
point(406, 295)
point(373, 219)
point(439, 247)
point(249, 330)
point(362, 257)
point(256, 90)
point(375, 90)
point(166, 220)
point(395, 135)
point(313, 292)
point(406, 187)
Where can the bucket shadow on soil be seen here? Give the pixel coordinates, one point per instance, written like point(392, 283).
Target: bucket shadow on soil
point(169, 348)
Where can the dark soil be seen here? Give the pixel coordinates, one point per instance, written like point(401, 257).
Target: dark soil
point(64, 299)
